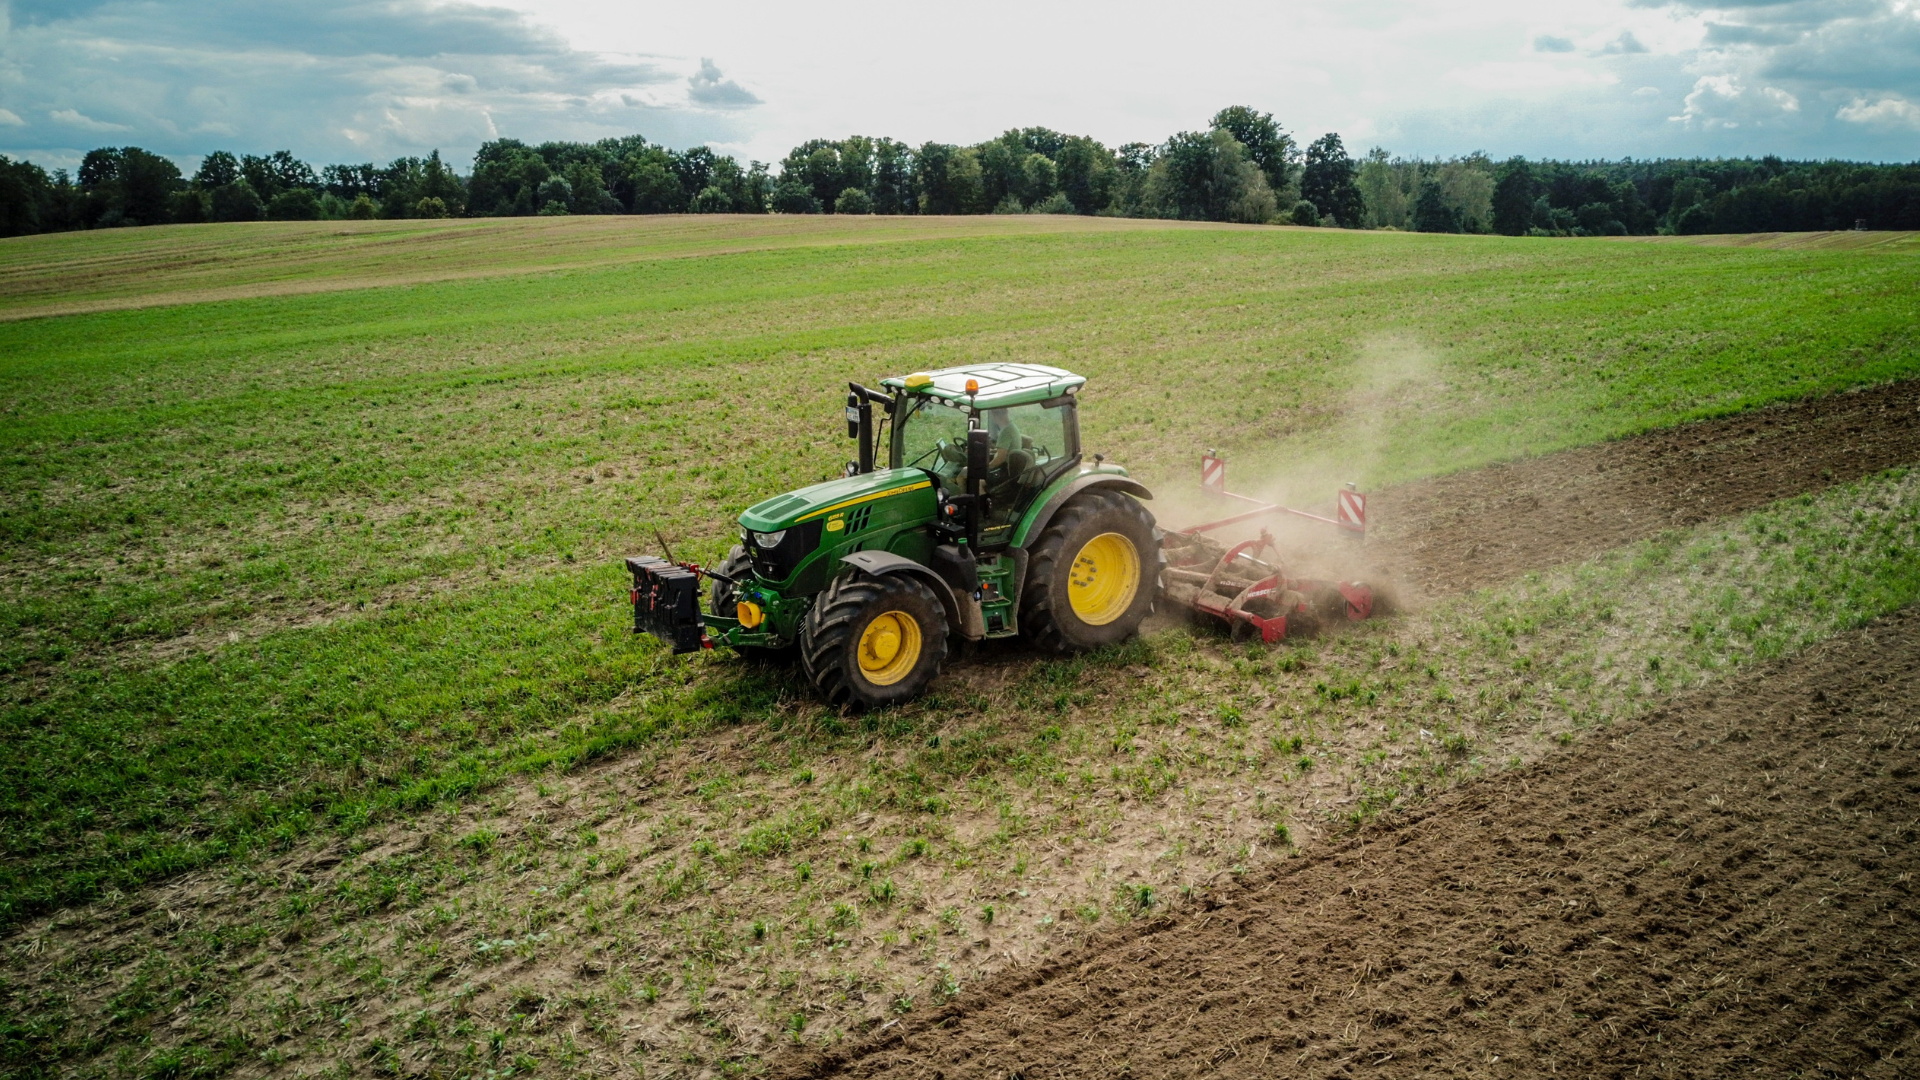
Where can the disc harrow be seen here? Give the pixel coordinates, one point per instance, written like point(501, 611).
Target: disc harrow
point(1247, 585)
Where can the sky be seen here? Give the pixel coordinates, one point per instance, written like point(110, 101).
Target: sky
point(370, 80)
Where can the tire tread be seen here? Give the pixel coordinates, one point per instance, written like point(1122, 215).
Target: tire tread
point(1037, 621)
point(830, 623)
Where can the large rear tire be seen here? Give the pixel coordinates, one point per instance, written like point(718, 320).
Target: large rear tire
point(873, 641)
point(1094, 574)
point(722, 598)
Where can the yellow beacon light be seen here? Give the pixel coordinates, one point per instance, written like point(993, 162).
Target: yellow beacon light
point(973, 386)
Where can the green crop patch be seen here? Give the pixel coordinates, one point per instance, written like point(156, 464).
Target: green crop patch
point(254, 745)
point(341, 535)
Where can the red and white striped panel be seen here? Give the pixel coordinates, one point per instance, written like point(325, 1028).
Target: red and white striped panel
point(1213, 474)
point(1353, 511)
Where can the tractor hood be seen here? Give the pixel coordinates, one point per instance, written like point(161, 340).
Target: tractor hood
point(795, 507)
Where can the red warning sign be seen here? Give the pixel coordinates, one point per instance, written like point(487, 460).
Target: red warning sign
point(1213, 474)
point(1353, 511)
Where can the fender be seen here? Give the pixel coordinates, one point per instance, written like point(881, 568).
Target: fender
point(1036, 523)
point(882, 563)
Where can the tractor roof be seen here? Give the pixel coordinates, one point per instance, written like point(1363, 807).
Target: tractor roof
point(1000, 384)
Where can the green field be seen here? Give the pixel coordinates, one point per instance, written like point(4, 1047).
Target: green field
point(288, 560)
point(307, 526)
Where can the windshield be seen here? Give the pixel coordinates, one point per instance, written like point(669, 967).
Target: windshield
point(933, 435)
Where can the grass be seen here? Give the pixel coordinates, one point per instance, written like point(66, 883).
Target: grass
point(144, 267)
point(647, 910)
point(299, 559)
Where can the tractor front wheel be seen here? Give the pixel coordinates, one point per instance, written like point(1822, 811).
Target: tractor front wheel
point(873, 641)
point(1093, 575)
point(723, 598)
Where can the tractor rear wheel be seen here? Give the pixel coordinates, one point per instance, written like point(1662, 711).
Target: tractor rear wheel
point(1094, 574)
point(723, 598)
point(873, 641)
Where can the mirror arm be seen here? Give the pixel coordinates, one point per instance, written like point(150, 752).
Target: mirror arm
point(860, 422)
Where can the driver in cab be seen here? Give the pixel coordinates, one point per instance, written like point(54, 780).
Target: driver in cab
point(1006, 438)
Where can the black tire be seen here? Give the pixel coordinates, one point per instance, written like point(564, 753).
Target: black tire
point(723, 597)
point(835, 629)
point(1047, 615)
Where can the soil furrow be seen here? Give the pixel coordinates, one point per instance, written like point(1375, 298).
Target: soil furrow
point(1722, 887)
point(1455, 533)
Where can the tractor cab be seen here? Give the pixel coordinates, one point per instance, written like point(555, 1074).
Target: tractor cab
point(1024, 417)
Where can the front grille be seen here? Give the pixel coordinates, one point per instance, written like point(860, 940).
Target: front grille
point(778, 563)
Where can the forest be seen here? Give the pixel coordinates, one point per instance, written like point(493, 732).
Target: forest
point(1244, 167)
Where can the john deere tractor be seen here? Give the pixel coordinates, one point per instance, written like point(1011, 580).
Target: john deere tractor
point(983, 523)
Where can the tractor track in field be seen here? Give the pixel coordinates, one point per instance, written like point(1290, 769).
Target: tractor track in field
point(1724, 886)
point(1472, 529)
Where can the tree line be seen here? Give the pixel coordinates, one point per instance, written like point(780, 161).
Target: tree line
point(1243, 167)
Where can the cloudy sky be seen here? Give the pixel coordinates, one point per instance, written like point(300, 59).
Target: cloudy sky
point(358, 80)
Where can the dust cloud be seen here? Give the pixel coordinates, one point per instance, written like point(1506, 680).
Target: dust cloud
point(1393, 378)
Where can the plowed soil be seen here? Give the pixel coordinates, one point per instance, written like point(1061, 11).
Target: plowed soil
point(1486, 526)
point(1723, 887)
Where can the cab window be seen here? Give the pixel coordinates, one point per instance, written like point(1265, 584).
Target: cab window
point(932, 435)
point(1031, 443)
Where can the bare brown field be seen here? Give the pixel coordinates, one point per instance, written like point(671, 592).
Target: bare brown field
point(1723, 888)
point(1454, 533)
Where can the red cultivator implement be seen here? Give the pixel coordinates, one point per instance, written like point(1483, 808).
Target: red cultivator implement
point(1247, 585)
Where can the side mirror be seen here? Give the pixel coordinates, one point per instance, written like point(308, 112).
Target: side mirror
point(853, 416)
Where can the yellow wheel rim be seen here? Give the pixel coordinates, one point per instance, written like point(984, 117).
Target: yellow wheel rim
point(889, 647)
point(1103, 579)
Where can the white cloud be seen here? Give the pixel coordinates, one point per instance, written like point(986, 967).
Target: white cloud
point(349, 80)
point(1721, 101)
point(1889, 112)
point(1759, 63)
point(74, 118)
point(1625, 44)
point(8, 118)
point(708, 87)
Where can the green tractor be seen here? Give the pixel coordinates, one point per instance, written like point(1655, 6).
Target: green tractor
point(984, 523)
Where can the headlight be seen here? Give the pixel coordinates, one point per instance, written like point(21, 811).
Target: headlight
point(768, 541)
